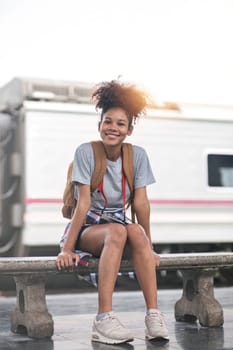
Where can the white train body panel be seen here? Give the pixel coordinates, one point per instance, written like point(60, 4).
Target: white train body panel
point(185, 207)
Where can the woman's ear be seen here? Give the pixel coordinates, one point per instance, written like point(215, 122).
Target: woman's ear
point(99, 126)
point(130, 130)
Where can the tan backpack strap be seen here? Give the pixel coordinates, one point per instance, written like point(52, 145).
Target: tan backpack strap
point(128, 166)
point(68, 195)
point(100, 161)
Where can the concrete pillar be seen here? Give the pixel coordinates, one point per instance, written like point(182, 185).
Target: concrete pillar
point(31, 314)
point(198, 300)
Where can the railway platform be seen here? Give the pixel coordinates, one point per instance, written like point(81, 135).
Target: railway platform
point(73, 315)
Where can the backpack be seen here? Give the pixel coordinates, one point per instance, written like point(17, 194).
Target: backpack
point(100, 159)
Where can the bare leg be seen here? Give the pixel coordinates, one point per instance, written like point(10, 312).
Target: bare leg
point(106, 241)
point(144, 263)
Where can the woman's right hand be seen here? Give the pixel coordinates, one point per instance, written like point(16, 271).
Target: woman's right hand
point(67, 260)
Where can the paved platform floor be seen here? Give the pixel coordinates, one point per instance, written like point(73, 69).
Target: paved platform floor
point(73, 315)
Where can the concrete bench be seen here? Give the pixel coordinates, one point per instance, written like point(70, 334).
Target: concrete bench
point(31, 314)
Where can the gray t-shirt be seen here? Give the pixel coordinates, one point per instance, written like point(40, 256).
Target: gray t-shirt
point(83, 168)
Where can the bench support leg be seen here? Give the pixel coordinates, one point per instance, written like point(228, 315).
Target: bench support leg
point(198, 300)
point(31, 315)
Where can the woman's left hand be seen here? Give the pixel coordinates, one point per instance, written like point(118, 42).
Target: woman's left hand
point(156, 259)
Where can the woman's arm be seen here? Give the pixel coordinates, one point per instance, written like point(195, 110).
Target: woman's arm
point(67, 257)
point(141, 206)
point(142, 210)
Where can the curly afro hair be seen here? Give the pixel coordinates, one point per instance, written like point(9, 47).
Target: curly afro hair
point(117, 94)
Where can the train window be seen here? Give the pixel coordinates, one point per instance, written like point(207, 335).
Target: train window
point(220, 170)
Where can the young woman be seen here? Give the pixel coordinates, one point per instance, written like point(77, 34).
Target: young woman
point(120, 105)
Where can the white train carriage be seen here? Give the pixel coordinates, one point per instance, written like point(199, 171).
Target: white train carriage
point(191, 155)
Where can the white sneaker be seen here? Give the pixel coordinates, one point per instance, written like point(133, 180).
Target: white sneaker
point(110, 330)
point(155, 326)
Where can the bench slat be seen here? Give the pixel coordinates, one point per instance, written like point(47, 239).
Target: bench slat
point(17, 265)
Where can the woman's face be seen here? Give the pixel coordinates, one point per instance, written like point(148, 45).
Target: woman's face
point(114, 127)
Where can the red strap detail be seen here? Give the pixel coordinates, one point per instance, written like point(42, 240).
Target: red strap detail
point(101, 189)
point(123, 183)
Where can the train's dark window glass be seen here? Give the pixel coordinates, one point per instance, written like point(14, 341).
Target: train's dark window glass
point(220, 170)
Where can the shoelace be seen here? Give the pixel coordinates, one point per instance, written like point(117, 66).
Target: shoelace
point(157, 317)
point(114, 320)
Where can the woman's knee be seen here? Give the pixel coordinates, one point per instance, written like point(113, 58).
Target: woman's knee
point(137, 236)
point(117, 235)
